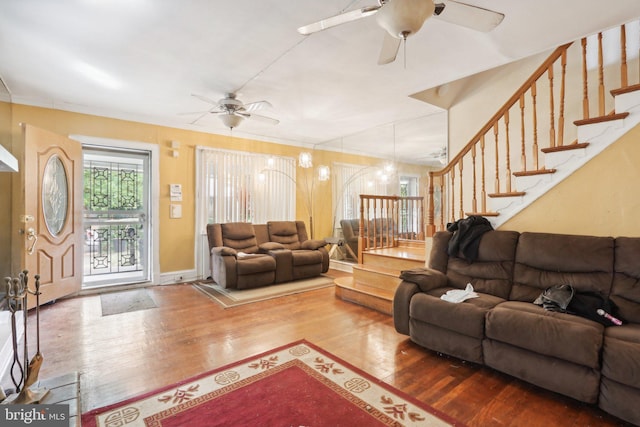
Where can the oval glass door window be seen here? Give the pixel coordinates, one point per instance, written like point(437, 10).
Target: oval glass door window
point(54, 195)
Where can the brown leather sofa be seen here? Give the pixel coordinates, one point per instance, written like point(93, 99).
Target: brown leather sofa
point(503, 329)
point(245, 255)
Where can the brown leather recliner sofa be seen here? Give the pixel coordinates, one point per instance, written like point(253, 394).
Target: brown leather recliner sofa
point(503, 329)
point(245, 255)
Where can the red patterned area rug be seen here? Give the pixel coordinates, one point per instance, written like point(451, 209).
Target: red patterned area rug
point(295, 385)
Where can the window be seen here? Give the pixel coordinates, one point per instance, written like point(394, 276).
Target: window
point(236, 186)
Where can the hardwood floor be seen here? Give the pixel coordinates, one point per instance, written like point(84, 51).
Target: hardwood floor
point(123, 355)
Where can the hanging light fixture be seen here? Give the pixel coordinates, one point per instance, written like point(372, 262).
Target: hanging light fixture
point(230, 120)
point(402, 18)
point(305, 160)
point(323, 173)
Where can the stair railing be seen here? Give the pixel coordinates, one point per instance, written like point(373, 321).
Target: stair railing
point(462, 187)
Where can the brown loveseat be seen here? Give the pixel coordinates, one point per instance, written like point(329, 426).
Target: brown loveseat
point(503, 329)
point(245, 255)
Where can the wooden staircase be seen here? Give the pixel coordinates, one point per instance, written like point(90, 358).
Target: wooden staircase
point(374, 282)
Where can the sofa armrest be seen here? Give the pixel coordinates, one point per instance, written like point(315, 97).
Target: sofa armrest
point(224, 251)
point(270, 246)
point(425, 278)
point(401, 303)
point(313, 244)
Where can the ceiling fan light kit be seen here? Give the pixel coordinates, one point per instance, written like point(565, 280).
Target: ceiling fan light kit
point(232, 111)
point(401, 18)
point(230, 120)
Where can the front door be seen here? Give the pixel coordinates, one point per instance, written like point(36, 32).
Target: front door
point(52, 215)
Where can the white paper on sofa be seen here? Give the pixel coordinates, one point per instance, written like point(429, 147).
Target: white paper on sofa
point(459, 295)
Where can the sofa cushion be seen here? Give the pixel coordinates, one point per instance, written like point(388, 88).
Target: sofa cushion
point(255, 264)
point(560, 335)
point(425, 278)
point(620, 355)
point(544, 260)
point(466, 318)
point(284, 232)
point(306, 257)
point(625, 292)
point(491, 273)
point(240, 236)
point(313, 244)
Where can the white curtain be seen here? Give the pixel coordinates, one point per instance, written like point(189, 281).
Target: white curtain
point(236, 186)
point(349, 182)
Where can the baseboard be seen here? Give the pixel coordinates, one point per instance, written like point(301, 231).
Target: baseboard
point(173, 277)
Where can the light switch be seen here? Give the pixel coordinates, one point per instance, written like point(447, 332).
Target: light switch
point(175, 211)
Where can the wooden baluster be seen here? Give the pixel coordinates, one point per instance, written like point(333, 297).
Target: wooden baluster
point(421, 229)
point(497, 173)
point(442, 202)
point(474, 198)
point(624, 77)
point(552, 130)
point(507, 153)
point(461, 189)
point(523, 155)
point(585, 81)
point(431, 209)
point(452, 195)
point(375, 223)
point(483, 180)
point(600, 77)
point(535, 126)
point(563, 62)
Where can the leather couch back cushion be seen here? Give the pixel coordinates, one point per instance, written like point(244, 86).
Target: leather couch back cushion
point(284, 232)
point(543, 260)
point(492, 271)
point(239, 236)
point(625, 292)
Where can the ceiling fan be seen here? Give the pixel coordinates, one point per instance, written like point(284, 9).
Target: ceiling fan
point(232, 111)
point(402, 18)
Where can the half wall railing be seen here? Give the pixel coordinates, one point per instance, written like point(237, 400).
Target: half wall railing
point(386, 220)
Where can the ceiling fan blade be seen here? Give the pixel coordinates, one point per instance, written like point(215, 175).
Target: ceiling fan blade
point(263, 119)
point(473, 17)
point(205, 99)
point(390, 47)
point(253, 106)
point(342, 18)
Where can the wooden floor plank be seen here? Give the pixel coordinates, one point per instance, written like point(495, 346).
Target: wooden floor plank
point(124, 355)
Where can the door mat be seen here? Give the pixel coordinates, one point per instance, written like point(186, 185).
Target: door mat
point(126, 301)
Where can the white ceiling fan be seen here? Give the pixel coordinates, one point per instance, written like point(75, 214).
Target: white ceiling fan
point(232, 111)
point(402, 18)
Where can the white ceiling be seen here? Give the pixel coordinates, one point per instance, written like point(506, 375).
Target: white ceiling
point(142, 59)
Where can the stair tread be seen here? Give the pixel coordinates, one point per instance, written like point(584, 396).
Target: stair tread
point(535, 172)
point(568, 147)
point(601, 119)
point(482, 213)
point(378, 269)
point(354, 285)
point(509, 194)
point(627, 89)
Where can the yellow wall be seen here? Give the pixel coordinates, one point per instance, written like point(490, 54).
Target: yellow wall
point(599, 199)
point(177, 235)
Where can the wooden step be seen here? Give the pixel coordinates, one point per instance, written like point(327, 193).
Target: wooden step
point(377, 277)
point(568, 147)
point(534, 172)
point(510, 194)
point(601, 119)
point(348, 289)
point(482, 213)
point(379, 258)
point(403, 243)
point(627, 89)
